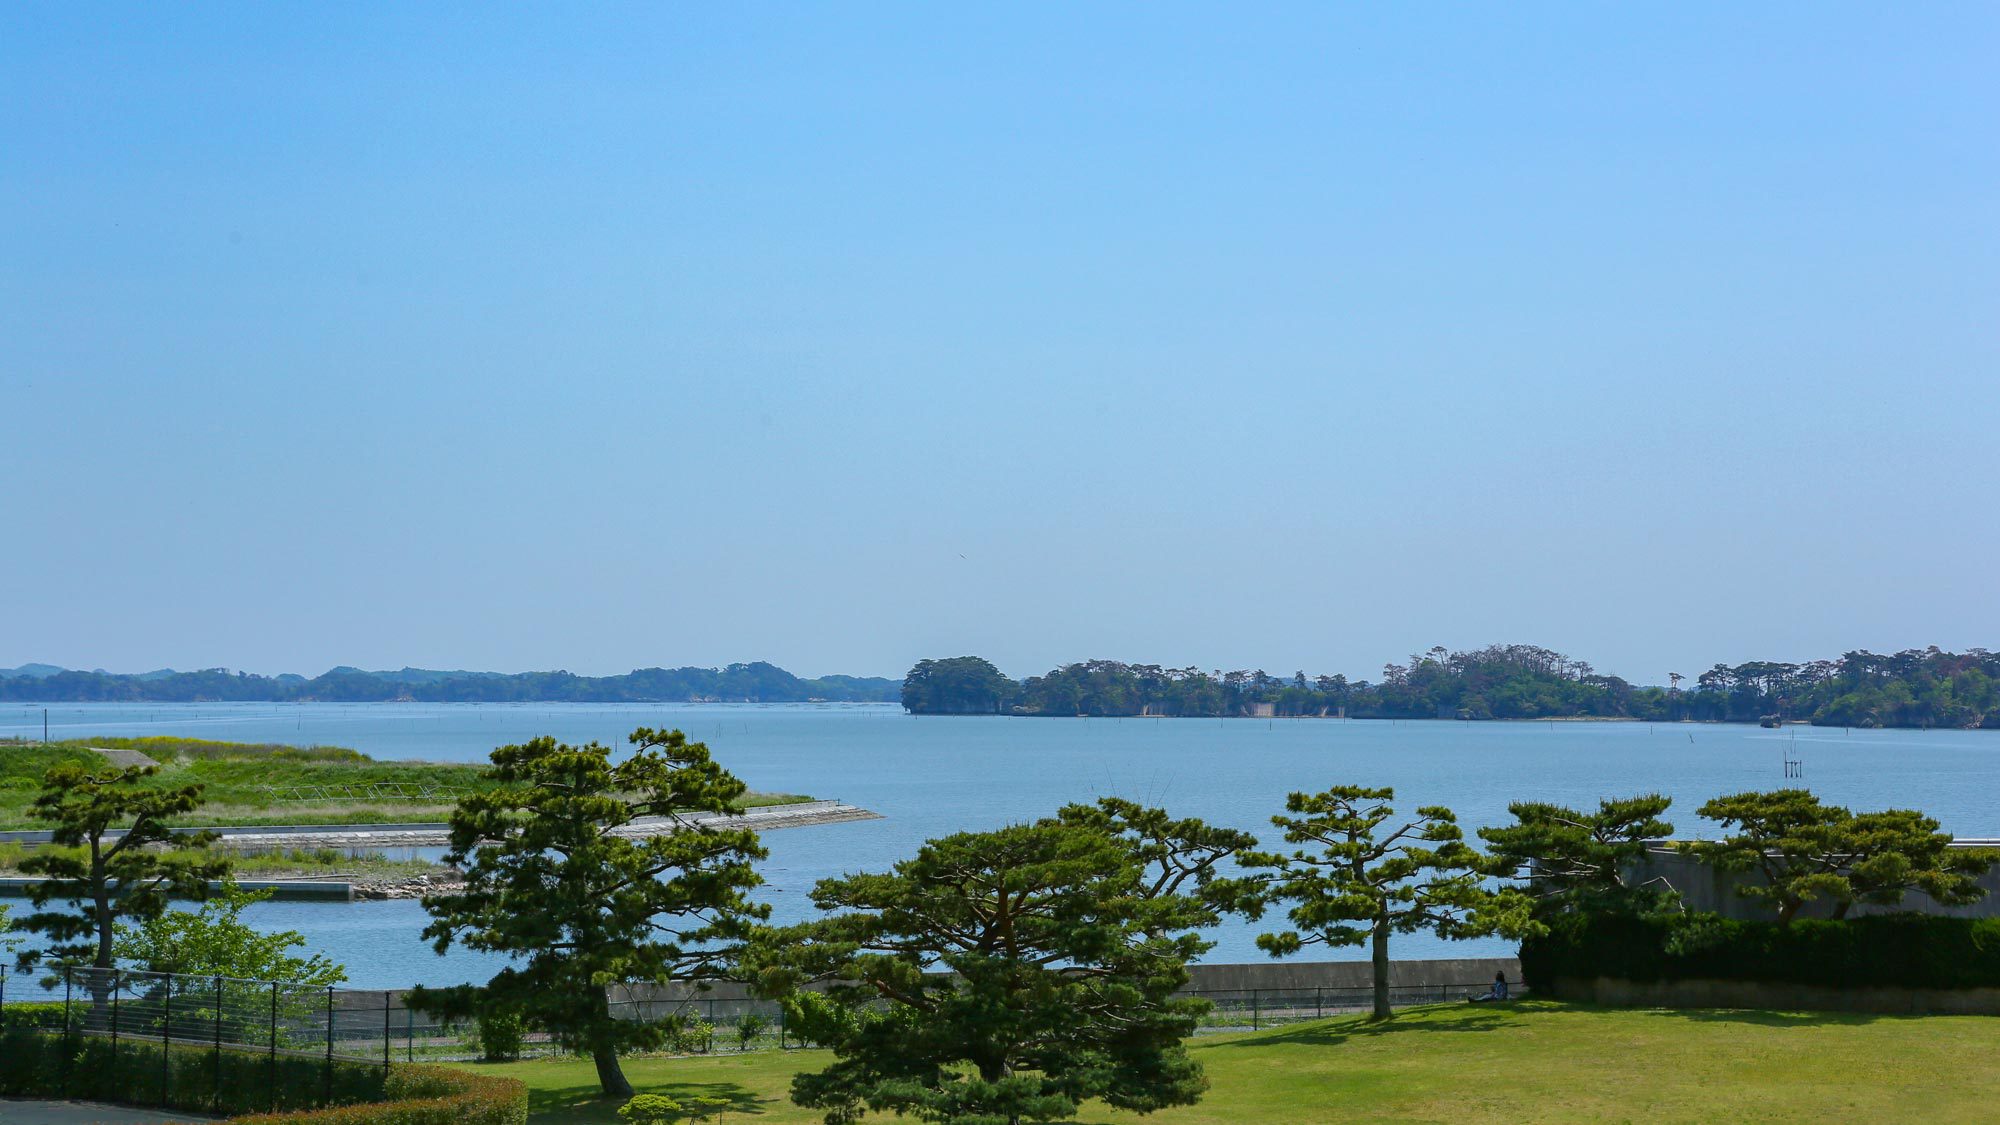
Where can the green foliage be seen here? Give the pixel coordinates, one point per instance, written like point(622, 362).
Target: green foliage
point(500, 1034)
point(1887, 950)
point(549, 879)
point(687, 1034)
point(658, 1109)
point(961, 685)
point(213, 940)
point(1803, 850)
point(1009, 975)
point(1910, 689)
point(32, 1015)
point(1358, 883)
point(420, 1095)
point(749, 1027)
point(1572, 860)
point(103, 880)
point(37, 1064)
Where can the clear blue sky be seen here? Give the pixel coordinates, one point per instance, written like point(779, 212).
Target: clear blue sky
point(1245, 336)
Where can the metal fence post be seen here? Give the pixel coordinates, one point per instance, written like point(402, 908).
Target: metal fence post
point(1319, 1004)
point(328, 1067)
point(67, 1053)
point(410, 1029)
point(387, 999)
point(216, 1097)
point(271, 1063)
point(166, 1043)
point(1253, 1009)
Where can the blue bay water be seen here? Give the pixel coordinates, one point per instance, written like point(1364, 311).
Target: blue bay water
point(929, 776)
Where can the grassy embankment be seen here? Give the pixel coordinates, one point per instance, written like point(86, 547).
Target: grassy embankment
point(1535, 1061)
point(247, 784)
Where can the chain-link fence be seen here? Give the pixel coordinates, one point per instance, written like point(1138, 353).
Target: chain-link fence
point(338, 1028)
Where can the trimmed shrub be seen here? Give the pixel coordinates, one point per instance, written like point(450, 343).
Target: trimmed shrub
point(132, 1072)
point(421, 1095)
point(39, 1015)
point(1886, 950)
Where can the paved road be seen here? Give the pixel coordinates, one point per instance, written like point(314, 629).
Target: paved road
point(84, 1113)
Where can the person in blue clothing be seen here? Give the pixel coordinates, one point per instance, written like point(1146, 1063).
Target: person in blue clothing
point(1497, 992)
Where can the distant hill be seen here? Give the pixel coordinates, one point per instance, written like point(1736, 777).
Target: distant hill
point(757, 682)
point(29, 672)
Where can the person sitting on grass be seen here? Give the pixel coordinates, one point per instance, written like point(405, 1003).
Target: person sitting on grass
point(1497, 992)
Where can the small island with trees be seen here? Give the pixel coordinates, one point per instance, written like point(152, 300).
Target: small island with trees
point(1915, 688)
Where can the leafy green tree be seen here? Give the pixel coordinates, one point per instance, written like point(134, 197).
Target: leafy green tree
point(1786, 837)
point(1007, 976)
point(213, 940)
point(555, 877)
point(7, 943)
point(1892, 852)
point(1573, 860)
point(1360, 884)
point(1803, 851)
point(104, 879)
point(959, 685)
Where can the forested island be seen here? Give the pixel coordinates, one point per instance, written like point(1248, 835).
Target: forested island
point(738, 683)
point(1915, 688)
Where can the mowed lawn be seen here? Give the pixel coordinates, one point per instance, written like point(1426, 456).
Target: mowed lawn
point(1533, 1061)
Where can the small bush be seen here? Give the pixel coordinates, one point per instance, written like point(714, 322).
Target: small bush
point(500, 1036)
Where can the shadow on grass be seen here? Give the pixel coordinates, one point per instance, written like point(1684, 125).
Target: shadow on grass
point(1762, 1018)
point(1409, 1021)
point(585, 1102)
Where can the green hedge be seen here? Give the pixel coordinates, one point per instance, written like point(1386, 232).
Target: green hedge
point(1888, 950)
point(40, 1014)
point(421, 1095)
point(36, 1064)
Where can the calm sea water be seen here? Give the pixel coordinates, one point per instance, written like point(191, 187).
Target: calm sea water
point(933, 775)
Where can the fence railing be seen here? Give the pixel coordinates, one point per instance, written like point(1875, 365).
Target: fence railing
point(332, 1025)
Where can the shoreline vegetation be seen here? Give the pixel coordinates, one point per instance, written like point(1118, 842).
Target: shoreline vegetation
point(757, 682)
point(1917, 688)
point(249, 785)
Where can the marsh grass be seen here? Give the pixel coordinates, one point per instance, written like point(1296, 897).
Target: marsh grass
point(267, 784)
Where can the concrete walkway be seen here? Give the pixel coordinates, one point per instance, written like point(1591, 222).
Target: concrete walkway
point(84, 1113)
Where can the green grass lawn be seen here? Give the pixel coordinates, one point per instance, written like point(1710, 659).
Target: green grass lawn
point(1466, 1065)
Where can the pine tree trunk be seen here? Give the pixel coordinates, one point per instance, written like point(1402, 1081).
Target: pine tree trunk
point(1380, 952)
point(610, 1076)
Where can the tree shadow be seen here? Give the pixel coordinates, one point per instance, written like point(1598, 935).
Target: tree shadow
point(1349, 1029)
point(585, 1101)
point(1759, 1017)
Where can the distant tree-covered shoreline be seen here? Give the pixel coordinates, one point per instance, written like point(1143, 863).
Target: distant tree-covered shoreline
point(737, 683)
point(1916, 688)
